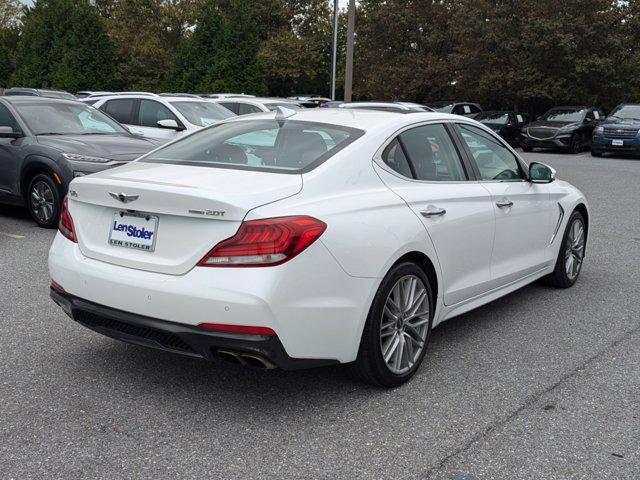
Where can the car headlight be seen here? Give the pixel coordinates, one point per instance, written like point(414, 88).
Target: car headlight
point(76, 157)
point(599, 130)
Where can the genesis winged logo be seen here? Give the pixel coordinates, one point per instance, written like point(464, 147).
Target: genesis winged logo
point(123, 197)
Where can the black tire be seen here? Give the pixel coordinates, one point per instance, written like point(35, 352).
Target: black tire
point(370, 365)
point(575, 143)
point(526, 148)
point(559, 277)
point(596, 153)
point(46, 216)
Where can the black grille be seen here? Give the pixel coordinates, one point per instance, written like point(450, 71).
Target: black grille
point(620, 132)
point(542, 133)
point(167, 340)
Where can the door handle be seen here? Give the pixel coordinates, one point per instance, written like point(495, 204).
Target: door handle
point(504, 203)
point(432, 211)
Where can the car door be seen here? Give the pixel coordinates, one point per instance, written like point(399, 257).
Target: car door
point(149, 113)
point(524, 212)
point(424, 167)
point(9, 155)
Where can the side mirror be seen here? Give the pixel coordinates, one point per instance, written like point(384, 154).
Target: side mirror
point(541, 173)
point(171, 124)
point(7, 132)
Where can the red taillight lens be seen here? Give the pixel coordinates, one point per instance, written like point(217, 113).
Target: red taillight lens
point(237, 329)
point(66, 223)
point(262, 243)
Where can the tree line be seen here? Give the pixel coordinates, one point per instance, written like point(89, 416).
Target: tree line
point(517, 54)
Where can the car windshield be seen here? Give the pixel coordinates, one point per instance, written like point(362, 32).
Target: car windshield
point(440, 106)
point(202, 114)
point(67, 119)
point(564, 115)
point(273, 105)
point(260, 145)
point(493, 117)
point(629, 112)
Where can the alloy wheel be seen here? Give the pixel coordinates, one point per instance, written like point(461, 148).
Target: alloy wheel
point(42, 201)
point(574, 251)
point(405, 324)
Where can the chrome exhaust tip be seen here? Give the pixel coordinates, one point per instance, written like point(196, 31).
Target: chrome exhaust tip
point(230, 357)
point(257, 361)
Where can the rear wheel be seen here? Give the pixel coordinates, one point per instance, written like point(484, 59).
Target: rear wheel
point(43, 200)
point(398, 328)
point(571, 255)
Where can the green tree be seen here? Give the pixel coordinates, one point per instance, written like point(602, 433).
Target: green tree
point(10, 13)
point(64, 45)
point(146, 35)
point(221, 54)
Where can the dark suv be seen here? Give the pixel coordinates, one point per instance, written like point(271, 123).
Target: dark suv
point(619, 133)
point(46, 142)
point(564, 128)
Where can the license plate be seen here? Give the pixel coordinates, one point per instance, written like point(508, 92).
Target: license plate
point(617, 143)
point(134, 231)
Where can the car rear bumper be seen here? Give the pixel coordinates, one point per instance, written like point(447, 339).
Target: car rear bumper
point(263, 351)
point(316, 310)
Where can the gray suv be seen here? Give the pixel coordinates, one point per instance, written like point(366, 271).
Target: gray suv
point(46, 142)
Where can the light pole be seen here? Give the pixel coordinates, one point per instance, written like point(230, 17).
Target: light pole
point(336, 15)
point(348, 71)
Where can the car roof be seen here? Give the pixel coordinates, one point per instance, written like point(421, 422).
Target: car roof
point(355, 118)
point(28, 99)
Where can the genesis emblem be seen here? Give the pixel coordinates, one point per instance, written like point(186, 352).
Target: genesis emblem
point(123, 197)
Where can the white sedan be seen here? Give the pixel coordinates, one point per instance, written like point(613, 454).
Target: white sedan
point(317, 237)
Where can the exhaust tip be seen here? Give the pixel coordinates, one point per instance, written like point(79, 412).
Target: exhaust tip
point(230, 357)
point(257, 361)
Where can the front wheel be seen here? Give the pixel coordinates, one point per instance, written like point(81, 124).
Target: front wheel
point(397, 329)
point(43, 200)
point(575, 143)
point(571, 254)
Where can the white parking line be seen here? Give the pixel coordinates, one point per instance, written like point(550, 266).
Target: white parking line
point(11, 235)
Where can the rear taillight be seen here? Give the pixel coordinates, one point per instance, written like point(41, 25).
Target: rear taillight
point(247, 330)
point(57, 287)
point(268, 242)
point(66, 223)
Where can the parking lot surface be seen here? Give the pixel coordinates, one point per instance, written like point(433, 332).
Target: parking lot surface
point(541, 384)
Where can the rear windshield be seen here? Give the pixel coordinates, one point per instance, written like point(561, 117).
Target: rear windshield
point(261, 145)
point(202, 114)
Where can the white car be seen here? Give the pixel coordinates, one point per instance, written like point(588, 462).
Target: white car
point(163, 118)
point(299, 239)
point(247, 105)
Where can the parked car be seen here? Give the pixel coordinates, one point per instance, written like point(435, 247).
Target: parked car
point(87, 94)
point(466, 109)
point(402, 107)
point(507, 124)
point(225, 95)
point(38, 92)
point(247, 105)
point(275, 240)
point(565, 128)
point(619, 133)
point(46, 142)
point(162, 118)
point(310, 101)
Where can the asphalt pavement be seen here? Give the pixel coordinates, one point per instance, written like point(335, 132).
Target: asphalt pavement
point(541, 384)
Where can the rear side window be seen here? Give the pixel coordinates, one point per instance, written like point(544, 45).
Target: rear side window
point(151, 112)
point(395, 159)
point(245, 109)
point(8, 120)
point(121, 110)
point(425, 153)
point(261, 145)
point(233, 106)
